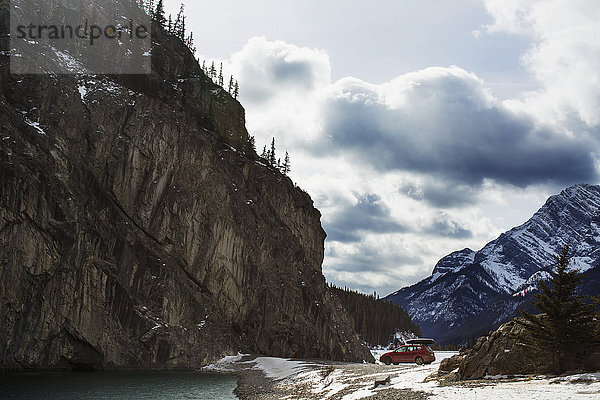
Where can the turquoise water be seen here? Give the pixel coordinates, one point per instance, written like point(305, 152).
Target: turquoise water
point(118, 385)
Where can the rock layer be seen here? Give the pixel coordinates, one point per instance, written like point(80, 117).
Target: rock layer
point(139, 230)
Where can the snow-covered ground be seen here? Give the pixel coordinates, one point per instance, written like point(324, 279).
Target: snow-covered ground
point(320, 380)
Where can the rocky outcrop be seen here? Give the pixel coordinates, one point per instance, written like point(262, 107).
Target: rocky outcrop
point(501, 354)
point(139, 230)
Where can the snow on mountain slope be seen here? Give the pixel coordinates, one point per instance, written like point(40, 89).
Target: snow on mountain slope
point(470, 290)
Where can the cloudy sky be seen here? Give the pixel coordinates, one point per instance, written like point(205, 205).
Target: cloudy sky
point(418, 127)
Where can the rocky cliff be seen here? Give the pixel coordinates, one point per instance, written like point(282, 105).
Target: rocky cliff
point(500, 353)
point(139, 230)
point(471, 292)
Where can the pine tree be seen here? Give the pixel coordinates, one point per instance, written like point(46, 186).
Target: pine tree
point(230, 89)
point(212, 72)
point(182, 31)
point(159, 13)
point(150, 8)
point(252, 143)
point(179, 26)
point(221, 75)
point(286, 164)
point(272, 159)
point(170, 24)
point(265, 154)
point(236, 90)
point(190, 43)
point(562, 331)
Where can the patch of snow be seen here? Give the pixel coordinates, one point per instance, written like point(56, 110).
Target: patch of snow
point(82, 92)
point(588, 377)
point(225, 364)
point(434, 277)
point(404, 336)
point(279, 368)
point(581, 264)
point(35, 125)
point(68, 61)
point(495, 377)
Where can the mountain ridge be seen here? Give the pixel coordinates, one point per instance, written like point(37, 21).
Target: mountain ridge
point(473, 291)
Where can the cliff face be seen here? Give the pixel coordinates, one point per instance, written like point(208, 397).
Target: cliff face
point(137, 229)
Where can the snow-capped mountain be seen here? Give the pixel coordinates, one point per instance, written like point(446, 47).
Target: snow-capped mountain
point(470, 292)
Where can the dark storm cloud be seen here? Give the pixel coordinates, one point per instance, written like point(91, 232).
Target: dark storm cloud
point(369, 214)
point(442, 123)
point(442, 226)
point(441, 195)
point(371, 259)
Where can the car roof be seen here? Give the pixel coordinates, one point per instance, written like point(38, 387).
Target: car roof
point(420, 341)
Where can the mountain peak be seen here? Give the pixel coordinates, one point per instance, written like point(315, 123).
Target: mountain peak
point(452, 262)
point(470, 291)
point(580, 187)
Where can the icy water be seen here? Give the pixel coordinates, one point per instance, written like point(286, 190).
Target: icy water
point(118, 385)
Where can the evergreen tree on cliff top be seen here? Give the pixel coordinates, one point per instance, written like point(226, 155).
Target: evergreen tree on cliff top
point(272, 159)
point(286, 167)
point(564, 330)
point(159, 13)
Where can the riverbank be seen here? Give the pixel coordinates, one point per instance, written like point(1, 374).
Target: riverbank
point(268, 378)
point(273, 378)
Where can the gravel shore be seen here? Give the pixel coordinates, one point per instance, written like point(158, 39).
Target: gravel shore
point(269, 378)
point(254, 385)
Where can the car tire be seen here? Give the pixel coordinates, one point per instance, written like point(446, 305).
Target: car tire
point(387, 361)
point(419, 361)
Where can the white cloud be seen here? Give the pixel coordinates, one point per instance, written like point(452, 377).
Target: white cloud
point(443, 122)
point(272, 68)
point(565, 57)
point(407, 171)
point(282, 87)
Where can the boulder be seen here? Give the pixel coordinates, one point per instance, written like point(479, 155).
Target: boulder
point(501, 354)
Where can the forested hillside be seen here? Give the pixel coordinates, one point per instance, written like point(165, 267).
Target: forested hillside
point(375, 320)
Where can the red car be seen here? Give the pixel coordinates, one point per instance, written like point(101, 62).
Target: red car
point(409, 353)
